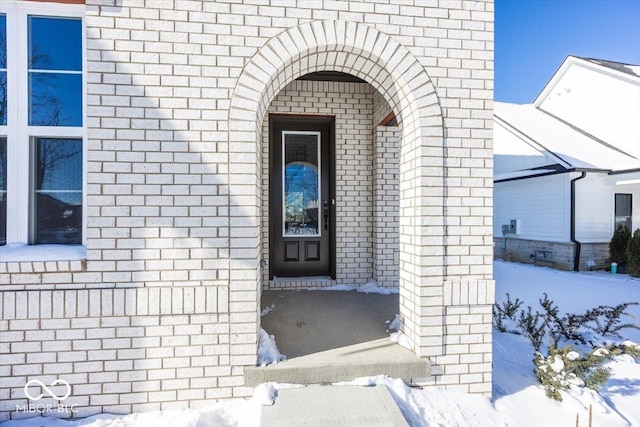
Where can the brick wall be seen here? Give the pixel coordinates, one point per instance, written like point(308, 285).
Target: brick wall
point(176, 96)
point(560, 255)
point(386, 207)
point(467, 357)
point(123, 350)
point(596, 252)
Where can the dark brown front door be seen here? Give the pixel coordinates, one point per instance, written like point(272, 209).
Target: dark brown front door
point(301, 196)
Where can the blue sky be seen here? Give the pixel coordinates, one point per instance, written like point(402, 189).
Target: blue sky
point(533, 37)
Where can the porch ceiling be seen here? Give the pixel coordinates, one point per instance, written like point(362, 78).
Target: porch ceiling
point(331, 76)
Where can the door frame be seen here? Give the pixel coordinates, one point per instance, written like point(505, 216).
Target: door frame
point(297, 120)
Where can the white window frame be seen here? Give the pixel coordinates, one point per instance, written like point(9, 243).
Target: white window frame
point(19, 134)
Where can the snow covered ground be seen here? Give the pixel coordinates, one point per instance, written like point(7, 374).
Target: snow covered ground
point(518, 398)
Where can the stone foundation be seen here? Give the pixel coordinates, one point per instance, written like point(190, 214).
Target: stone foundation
point(558, 255)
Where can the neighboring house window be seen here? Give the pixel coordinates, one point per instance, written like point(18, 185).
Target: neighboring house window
point(41, 124)
point(623, 210)
point(3, 127)
point(3, 190)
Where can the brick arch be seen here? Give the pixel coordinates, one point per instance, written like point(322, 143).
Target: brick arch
point(397, 74)
point(349, 47)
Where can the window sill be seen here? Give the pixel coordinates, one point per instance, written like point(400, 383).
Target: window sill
point(42, 253)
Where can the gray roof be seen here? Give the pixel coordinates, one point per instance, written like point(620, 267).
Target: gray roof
point(631, 69)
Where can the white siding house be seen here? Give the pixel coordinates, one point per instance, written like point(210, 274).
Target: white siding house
point(563, 164)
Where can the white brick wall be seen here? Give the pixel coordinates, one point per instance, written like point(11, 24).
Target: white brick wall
point(119, 356)
point(177, 95)
point(386, 206)
point(467, 355)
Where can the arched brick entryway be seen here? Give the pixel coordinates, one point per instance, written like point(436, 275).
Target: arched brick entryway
point(390, 68)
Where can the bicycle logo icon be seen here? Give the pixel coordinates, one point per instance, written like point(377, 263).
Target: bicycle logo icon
point(47, 390)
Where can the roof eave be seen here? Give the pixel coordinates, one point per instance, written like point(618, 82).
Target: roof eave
point(618, 172)
point(570, 59)
point(556, 75)
point(530, 141)
point(555, 172)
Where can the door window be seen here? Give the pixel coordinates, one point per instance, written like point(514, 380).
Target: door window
point(301, 183)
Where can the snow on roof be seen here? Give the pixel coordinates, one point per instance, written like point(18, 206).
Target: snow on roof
point(548, 134)
point(630, 69)
point(528, 173)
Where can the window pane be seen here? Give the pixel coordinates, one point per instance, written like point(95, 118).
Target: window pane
point(3, 41)
point(58, 191)
point(55, 99)
point(301, 184)
point(623, 210)
point(3, 70)
point(623, 204)
point(55, 96)
point(3, 190)
point(3, 98)
point(55, 43)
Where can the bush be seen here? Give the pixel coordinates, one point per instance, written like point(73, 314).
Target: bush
point(633, 254)
point(504, 316)
point(534, 327)
point(605, 320)
point(618, 245)
point(557, 365)
point(568, 327)
point(563, 367)
point(629, 348)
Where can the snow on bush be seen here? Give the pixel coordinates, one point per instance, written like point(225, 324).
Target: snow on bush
point(565, 367)
point(559, 365)
point(504, 315)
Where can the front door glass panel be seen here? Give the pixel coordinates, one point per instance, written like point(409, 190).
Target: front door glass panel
point(301, 183)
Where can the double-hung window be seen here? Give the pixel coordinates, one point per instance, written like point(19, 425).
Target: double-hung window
point(42, 132)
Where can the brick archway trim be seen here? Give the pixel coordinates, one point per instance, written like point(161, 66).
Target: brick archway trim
point(397, 74)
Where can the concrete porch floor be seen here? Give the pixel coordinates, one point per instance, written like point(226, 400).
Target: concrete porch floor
point(331, 336)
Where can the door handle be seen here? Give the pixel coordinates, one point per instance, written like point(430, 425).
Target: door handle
point(325, 213)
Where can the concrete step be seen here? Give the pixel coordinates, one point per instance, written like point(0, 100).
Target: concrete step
point(377, 357)
point(335, 406)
